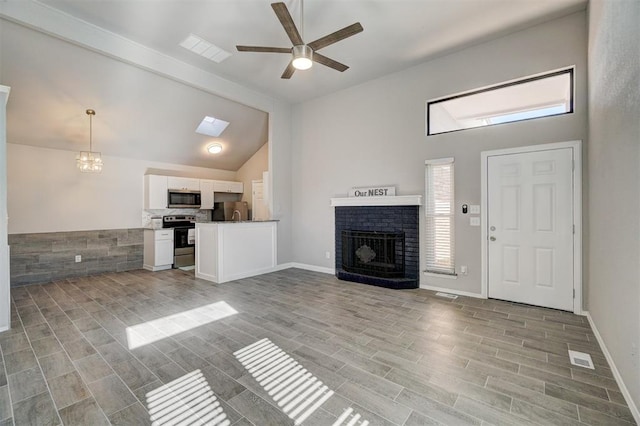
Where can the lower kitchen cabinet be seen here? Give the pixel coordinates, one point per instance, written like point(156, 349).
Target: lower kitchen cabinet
point(158, 249)
point(227, 251)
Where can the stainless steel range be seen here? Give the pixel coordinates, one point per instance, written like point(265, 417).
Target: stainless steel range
point(184, 239)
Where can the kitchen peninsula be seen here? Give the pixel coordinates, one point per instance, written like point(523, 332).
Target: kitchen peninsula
point(227, 251)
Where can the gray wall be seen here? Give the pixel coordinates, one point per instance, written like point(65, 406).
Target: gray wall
point(614, 176)
point(374, 134)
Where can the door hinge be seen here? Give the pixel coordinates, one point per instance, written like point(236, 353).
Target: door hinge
point(573, 165)
point(574, 293)
point(574, 228)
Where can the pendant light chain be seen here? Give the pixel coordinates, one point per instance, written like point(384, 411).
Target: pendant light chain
point(90, 132)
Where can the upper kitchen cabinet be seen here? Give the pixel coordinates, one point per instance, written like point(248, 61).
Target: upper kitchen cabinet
point(206, 194)
point(227, 186)
point(188, 184)
point(155, 192)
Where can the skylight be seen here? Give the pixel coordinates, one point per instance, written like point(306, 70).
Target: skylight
point(202, 47)
point(211, 126)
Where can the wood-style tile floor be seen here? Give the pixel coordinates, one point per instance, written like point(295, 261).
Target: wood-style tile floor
point(291, 347)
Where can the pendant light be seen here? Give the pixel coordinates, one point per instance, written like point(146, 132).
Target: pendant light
point(89, 161)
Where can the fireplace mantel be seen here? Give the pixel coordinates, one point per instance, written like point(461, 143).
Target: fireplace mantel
point(398, 200)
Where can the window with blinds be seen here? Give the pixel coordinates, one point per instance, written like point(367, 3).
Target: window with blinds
point(440, 212)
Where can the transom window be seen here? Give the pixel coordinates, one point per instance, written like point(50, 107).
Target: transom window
point(524, 99)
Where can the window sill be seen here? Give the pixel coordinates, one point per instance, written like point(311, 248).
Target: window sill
point(438, 275)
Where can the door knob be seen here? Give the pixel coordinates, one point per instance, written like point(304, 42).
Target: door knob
point(492, 238)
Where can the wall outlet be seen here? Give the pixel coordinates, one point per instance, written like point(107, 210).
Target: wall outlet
point(464, 270)
point(474, 209)
point(327, 254)
point(474, 221)
point(78, 258)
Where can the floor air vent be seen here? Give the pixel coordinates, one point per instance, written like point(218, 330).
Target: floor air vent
point(446, 295)
point(581, 359)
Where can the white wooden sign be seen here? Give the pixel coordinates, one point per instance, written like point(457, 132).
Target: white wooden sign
point(373, 191)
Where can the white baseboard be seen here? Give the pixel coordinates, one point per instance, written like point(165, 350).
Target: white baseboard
point(322, 269)
point(282, 266)
point(614, 370)
point(452, 291)
point(305, 266)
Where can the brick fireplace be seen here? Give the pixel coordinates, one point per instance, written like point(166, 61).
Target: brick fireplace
point(377, 240)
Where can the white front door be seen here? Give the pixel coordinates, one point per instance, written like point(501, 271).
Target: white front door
point(530, 221)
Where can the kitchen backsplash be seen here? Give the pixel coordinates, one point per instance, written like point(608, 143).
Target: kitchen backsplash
point(148, 215)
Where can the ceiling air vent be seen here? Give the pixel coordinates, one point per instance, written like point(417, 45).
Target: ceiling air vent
point(202, 47)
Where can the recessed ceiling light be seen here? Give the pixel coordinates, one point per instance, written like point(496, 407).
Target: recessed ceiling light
point(214, 148)
point(202, 47)
point(212, 126)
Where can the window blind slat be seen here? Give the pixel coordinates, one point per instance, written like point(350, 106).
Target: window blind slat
point(440, 210)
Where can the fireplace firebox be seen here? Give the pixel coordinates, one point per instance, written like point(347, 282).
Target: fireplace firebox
point(378, 254)
point(378, 245)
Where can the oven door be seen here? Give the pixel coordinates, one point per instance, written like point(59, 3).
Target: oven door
point(184, 248)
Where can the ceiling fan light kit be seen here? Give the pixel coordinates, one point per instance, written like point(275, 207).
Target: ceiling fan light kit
point(303, 55)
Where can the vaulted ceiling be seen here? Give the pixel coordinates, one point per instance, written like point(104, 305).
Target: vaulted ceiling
point(142, 114)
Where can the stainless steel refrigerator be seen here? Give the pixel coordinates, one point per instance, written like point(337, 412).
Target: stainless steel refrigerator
point(230, 211)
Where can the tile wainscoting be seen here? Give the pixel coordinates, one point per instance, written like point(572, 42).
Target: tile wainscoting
point(45, 257)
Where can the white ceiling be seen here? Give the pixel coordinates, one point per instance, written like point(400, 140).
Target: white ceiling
point(397, 33)
point(143, 115)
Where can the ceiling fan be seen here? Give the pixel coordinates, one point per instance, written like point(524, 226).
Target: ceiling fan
point(303, 54)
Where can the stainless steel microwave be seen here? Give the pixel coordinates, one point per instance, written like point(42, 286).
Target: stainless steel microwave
point(183, 199)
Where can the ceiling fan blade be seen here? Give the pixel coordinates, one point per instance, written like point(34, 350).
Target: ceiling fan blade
point(321, 59)
point(263, 49)
point(336, 36)
point(287, 22)
point(288, 72)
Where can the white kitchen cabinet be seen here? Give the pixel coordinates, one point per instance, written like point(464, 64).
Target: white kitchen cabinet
point(155, 192)
point(206, 194)
point(188, 184)
point(158, 249)
point(228, 186)
point(228, 251)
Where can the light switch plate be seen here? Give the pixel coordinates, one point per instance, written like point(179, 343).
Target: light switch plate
point(474, 209)
point(474, 221)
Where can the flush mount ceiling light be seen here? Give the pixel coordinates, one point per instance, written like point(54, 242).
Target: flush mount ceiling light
point(211, 126)
point(89, 161)
point(214, 148)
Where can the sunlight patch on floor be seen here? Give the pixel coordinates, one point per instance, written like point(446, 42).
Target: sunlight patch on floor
point(186, 401)
point(158, 329)
point(295, 390)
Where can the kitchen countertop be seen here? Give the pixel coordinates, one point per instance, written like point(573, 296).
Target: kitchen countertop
point(218, 221)
point(240, 221)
